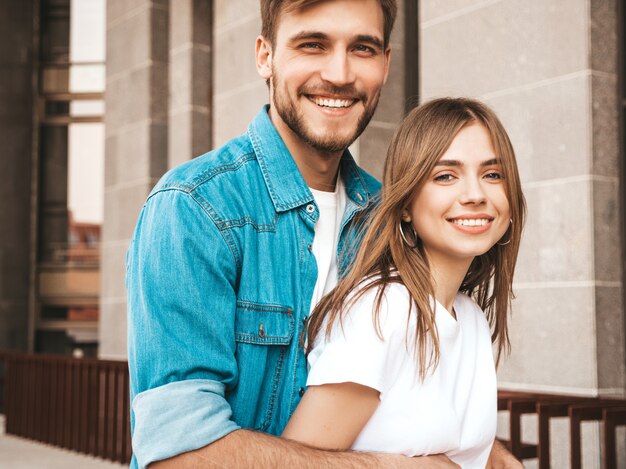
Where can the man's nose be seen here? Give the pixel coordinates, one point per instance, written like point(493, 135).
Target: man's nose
point(338, 69)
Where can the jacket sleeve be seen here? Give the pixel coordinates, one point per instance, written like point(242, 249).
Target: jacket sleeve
point(181, 273)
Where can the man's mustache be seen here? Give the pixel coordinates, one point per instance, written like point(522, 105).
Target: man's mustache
point(337, 92)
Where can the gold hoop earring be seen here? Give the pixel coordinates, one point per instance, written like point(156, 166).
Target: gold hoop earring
point(412, 246)
point(509, 240)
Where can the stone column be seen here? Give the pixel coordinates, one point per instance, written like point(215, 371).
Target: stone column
point(550, 71)
point(238, 91)
point(136, 130)
point(16, 108)
point(190, 79)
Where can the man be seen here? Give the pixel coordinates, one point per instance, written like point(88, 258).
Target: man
point(232, 250)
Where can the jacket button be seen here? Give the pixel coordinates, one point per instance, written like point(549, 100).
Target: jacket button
point(301, 392)
point(310, 247)
point(310, 208)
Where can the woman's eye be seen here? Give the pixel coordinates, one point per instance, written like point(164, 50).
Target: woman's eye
point(495, 175)
point(447, 177)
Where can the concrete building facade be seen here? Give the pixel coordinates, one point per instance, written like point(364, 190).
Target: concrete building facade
point(180, 79)
point(16, 110)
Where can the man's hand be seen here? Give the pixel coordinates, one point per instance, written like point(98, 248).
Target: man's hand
point(501, 458)
point(245, 448)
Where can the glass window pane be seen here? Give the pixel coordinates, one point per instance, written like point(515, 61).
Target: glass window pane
point(87, 31)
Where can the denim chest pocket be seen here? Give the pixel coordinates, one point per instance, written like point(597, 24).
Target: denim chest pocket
point(263, 333)
point(263, 324)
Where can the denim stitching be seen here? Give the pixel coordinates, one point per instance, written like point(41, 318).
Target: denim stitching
point(209, 174)
point(296, 359)
point(267, 340)
point(227, 235)
point(264, 307)
point(247, 220)
point(232, 247)
point(274, 392)
point(258, 148)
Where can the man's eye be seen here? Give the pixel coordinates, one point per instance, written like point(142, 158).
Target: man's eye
point(310, 45)
point(364, 48)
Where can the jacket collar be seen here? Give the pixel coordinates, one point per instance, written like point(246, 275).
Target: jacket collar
point(285, 183)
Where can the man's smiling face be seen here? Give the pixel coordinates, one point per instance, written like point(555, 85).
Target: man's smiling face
point(328, 65)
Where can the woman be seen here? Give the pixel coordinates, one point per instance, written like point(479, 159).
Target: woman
point(400, 351)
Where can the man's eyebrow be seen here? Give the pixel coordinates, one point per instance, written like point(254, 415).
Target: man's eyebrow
point(490, 162)
point(308, 35)
point(373, 40)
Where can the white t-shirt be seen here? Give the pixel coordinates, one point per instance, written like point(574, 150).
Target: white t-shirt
point(331, 206)
point(453, 411)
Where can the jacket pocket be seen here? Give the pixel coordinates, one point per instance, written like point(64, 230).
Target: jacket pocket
point(263, 333)
point(262, 324)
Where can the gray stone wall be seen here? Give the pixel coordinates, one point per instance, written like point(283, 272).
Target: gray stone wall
point(189, 132)
point(549, 70)
point(136, 130)
point(238, 91)
point(16, 106)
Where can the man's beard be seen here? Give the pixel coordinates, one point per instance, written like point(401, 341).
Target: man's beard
point(331, 142)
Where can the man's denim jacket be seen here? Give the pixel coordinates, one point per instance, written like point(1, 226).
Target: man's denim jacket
point(220, 276)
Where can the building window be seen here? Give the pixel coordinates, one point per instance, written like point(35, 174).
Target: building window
point(70, 182)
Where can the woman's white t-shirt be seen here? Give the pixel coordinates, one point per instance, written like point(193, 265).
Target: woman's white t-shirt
point(453, 411)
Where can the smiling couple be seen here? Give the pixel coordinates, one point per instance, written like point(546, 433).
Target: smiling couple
point(278, 235)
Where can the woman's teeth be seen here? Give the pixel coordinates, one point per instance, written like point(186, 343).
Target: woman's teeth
point(470, 221)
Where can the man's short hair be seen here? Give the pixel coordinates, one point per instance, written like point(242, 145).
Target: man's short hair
point(272, 9)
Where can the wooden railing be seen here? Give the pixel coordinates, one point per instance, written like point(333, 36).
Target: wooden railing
point(610, 412)
point(78, 404)
point(83, 405)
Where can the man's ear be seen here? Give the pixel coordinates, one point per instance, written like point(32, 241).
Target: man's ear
point(263, 52)
point(387, 63)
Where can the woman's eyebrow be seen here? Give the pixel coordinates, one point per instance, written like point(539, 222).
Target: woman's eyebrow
point(489, 162)
point(449, 163)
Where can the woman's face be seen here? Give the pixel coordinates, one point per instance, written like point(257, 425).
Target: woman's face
point(462, 209)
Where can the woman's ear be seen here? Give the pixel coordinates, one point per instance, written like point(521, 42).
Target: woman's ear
point(406, 217)
point(263, 52)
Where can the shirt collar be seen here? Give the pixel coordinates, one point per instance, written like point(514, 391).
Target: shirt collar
point(285, 183)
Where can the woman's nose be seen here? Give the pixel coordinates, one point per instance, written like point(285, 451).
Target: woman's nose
point(473, 192)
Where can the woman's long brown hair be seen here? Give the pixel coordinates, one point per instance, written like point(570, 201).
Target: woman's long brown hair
point(382, 257)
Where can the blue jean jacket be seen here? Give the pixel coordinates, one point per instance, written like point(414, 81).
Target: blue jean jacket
point(220, 277)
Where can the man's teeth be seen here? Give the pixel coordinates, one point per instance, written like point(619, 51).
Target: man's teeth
point(470, 221)
point(333, 102)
